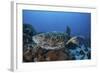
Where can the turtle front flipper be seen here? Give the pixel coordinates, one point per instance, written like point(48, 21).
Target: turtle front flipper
point(76, 41)
point(73, 40)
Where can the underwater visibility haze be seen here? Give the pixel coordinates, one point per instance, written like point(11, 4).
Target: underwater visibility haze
point(46, 21)
point(55, 27)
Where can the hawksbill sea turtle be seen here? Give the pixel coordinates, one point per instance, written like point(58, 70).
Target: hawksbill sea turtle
point(55, 39)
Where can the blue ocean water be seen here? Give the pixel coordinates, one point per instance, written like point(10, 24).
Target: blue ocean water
point(46, 21)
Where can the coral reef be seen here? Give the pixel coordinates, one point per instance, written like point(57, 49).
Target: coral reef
point(28, 32)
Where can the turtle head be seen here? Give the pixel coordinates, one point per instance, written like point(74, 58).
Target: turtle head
point(38, 38)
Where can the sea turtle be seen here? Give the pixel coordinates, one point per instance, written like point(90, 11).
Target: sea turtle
point(55, 39)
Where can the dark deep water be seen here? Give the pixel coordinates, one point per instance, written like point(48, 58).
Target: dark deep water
point(48, 21)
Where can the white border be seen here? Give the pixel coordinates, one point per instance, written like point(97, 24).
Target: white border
point(17, 34)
